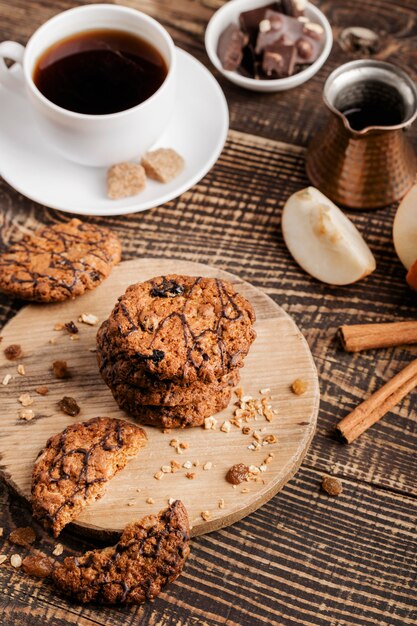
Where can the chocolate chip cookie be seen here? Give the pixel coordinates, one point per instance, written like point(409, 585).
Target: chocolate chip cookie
point(178, 416)
point(75, 465)
point(182, 328)
point(150, 554)
point(59, 262)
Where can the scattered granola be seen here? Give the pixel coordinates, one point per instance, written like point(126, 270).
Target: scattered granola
point(71, 328)
point(237, 474)
point(221, 503)
point(190, 475)
point(159, 475)
point(22, 536)
point(69, 406)
point(205, 515)
point(187, 465)
point(246, 430)
point(226, 427)
point(7, 379)
point(208, 465)
point(13, 352)
point(60, 369)
point(210, 423)
point(179, 446)
point(26, 414)
point(25, 399)
point(21, 369)
point(58, 550)
point(88, 318)
point(38, 566)
point(269, 439)
point(59, 326)
point(299, 386)
point(16, 560)
point(42, 391)
point(166, 469)
point(331, 485)
point(175, 466)
point(3, 558)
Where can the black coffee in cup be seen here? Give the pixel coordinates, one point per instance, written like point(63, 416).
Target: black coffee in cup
point(100, 71)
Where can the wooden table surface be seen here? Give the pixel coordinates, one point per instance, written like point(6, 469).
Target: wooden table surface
point(303, 558)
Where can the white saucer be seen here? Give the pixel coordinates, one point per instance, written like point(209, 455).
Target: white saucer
point(197, 131)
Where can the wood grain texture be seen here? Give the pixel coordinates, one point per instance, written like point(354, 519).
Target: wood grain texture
point(278, 356)
point(303, 559)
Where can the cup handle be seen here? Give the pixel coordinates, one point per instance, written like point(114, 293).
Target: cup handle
point(14, 51)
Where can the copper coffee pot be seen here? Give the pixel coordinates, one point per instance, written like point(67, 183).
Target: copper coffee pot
point(362, 158)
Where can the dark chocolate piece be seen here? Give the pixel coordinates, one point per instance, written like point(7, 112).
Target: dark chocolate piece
point(249, 20)
point(230, 46)
point(279, 60)
point(270, 30)
point(294, 8)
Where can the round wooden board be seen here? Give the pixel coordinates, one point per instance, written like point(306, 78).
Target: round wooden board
point(278, 356)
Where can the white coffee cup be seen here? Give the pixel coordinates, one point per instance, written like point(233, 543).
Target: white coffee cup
point(97, 140)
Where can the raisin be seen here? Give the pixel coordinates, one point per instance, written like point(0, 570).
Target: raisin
point(13, 352)
point(237, 474)
point(39, 566)
point(331, 486)
point(168, 289)
point(69, 406)
point(60, 369)
point(71, 328)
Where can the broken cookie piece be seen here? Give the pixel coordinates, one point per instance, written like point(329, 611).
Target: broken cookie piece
point(75, 465)
point(124, 180)
point(150, 554)
point(163, 164)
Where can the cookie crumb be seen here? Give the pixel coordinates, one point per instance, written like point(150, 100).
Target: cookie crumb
point(3, 558)
point(88, 318)
point(13, 352)
point(69, 406)
point(16, 560)
point(38, 566)
point(7, 379)
point(190, 475)
point(26, 414)
point(184, 445)
point(42, 391)
point(163, 164)
point(226, 427)
point(265, 391)
point(187, 465)
point(205, 515)
point(124, 180)
point(60, 369)
point(175, 466)
point(166, 469)
point(299, 386)
point(208, 465)
point(150, 500)
point(22, 536)
point(25, 399)
point(159, 475)
point(21, 369)
point(221, 503)
point(58, 550)
point(332, 486)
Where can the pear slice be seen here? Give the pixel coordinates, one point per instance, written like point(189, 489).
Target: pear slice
point(405, 229)
point(323, 240)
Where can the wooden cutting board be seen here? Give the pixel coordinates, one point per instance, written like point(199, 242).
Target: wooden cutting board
point(278, 356)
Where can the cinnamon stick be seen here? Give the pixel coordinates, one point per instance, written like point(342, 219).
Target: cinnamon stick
point(367, 336)
point(382, 401)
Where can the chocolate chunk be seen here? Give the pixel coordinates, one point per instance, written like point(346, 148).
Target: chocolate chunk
point(270, 31)
point(71, 328)
point(249, 66)
point(279, 60)
point(249, 20)
point(69, 406)
point(294, 8)
point(230, 46)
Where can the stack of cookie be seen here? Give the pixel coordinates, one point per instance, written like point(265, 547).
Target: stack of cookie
point(172, 348)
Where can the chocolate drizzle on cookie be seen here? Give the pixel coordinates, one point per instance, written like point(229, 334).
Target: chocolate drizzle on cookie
point(66, 476)
point(150, 553)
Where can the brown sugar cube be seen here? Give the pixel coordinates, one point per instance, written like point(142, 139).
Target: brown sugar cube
point(125, 179)
point(163, 164)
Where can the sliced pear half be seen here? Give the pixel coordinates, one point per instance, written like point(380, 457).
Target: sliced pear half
point(323, 240)
point(405, 229)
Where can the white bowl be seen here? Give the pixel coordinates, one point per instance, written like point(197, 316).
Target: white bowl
point(229, 13)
